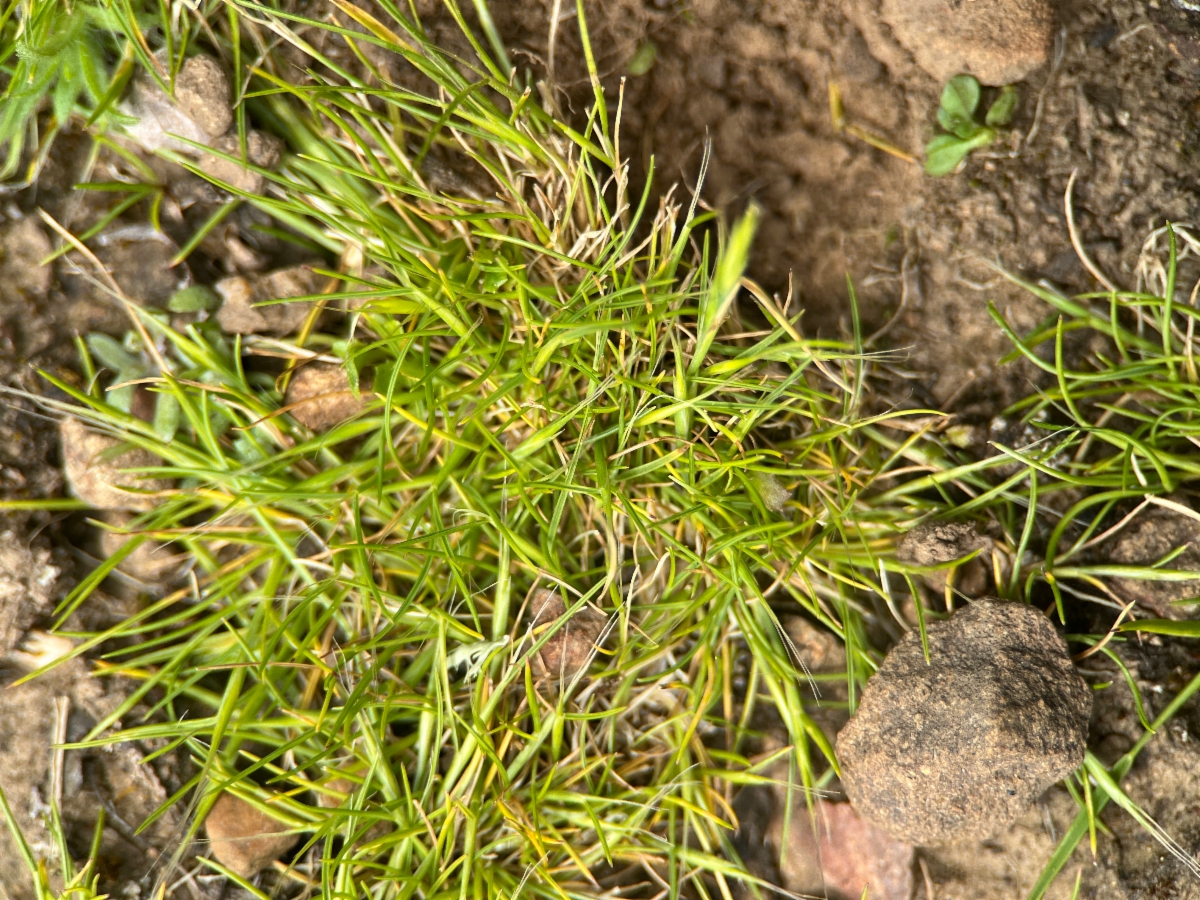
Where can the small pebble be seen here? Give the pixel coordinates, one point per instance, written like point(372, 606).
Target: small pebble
point(319, 396)
point(243, 838)
point(239, 314)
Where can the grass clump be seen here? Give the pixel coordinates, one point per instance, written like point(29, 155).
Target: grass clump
point(561, 392)
point(557, 402)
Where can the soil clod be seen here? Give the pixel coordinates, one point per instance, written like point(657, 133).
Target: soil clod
point(202, 92)
point(262, 150)
point(957, 748)
point(937, 543)
point(997, 41)
point(244, 839)
point(1151, 537)
point(27, 581)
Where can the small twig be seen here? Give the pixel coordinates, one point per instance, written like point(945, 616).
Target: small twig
point(900, 309)
point(929, 892)
point(1076, 243)
point(1099, 645)
point(62, 708)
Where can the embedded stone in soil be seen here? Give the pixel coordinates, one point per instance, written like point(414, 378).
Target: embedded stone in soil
point(320, 397)
point(844, 854)
point(1154, 534)
point(957, 748)
point(570, 648)
point(243, 838)
point(95, 475)
point(997, 41)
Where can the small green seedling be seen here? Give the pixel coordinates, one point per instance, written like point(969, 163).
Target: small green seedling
point(957, 115)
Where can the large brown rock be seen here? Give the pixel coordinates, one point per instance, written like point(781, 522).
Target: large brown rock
point(570, 648)
point(957, 748)
point(997, 41)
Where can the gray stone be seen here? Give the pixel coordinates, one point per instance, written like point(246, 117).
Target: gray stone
point(957, 748)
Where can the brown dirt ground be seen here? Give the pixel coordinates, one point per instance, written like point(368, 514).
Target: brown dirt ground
point(1121, 104)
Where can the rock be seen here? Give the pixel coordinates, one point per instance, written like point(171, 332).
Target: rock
point(1155, 533)
point(202, 93)
point(243, 838)
point(199, 113)
point(319, 396)
point(159, 122)
point(150, 562)
point(997, 41)
point(572, 646)
point(23, 246)
point(239, 315)
point(842, 856)
point(958, 748)
point(855, 855)
point(27, 581)
point(819, 650)
point(262, 150)
point(95, 476)
point(936, 543)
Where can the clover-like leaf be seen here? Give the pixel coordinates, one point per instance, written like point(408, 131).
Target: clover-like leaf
point(1001, 111)
point(946, 151)
point(960, 99)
